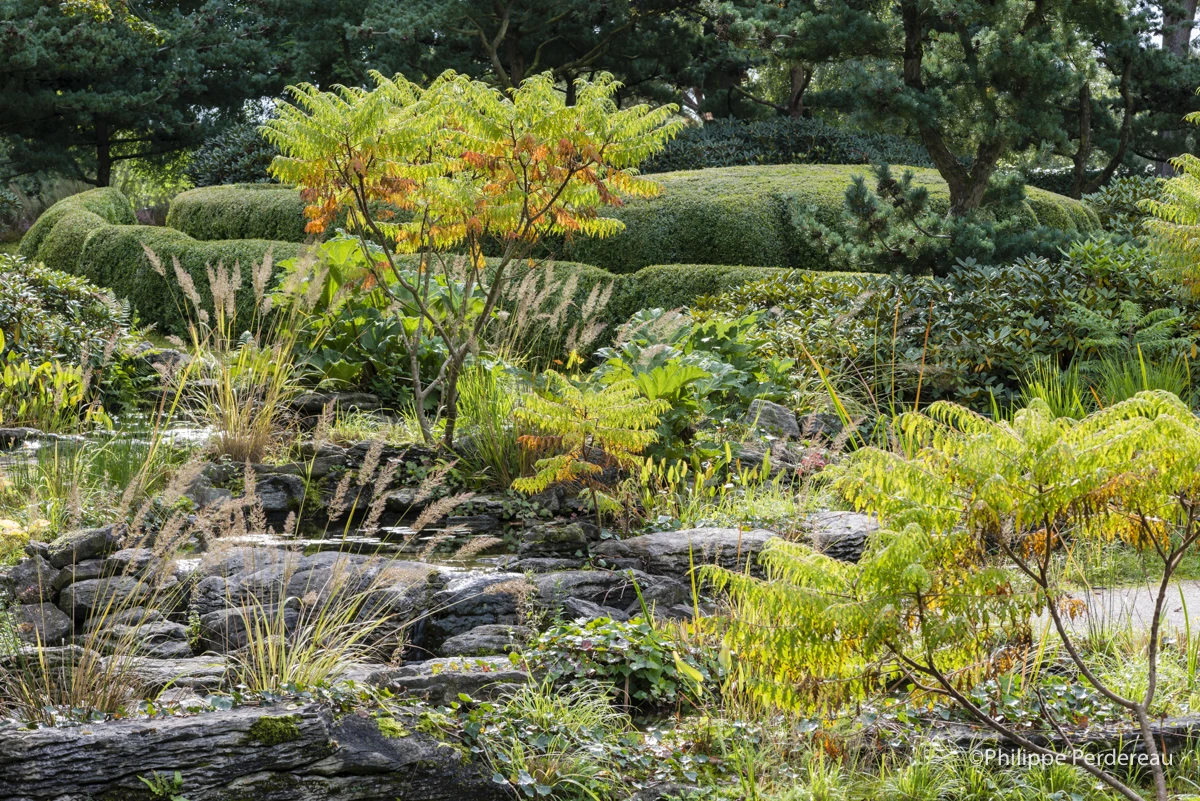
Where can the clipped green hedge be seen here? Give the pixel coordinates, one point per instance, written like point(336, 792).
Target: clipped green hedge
point(115, 257)
point(743, 215)
point(239, 211)
point(106, 203)
point(63, 246)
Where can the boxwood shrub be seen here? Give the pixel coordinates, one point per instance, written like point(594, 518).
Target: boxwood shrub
point(114, 257)
point(743, 215)
point(63, 246)
point(106, 203)
point(239, 211)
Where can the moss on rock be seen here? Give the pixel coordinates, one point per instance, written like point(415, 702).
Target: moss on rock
point(269, 730)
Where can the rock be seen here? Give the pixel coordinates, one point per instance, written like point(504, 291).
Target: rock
point(821, 425)
point(473, 523)
point(487, 640)
point(210, 594)
point(81, 599)
point(88, 543)
point(673, 553)
point(40, 624)
point(311, 404)
point(840, 535)
point(13, 437)
point(229, 629)
point(579, 609)
point(36, 548)
point(294, 753)
point(138, 632)
point(404, 501)
point(128, 562)
point(558, 542)
point(310, 449)
point(314, 469)
point(440, 681)
point(547, 565)
point(771, 418)
point(790, 458)
point(202, 492)
point(610, 588)
point(279, 494)
point(205, 673)
point(87, 569)
point(30, 581)
point(471, 600)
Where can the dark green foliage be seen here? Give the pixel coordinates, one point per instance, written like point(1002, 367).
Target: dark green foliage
point(640, 662)
point(745, 215)
point(1117, 204)
point(115, 257)
point(239, 211)
point(987, 326)
point(47, 314)
point(890, 224)
point(782, 140)
point(238, 155)
point(106, 203)
point(707, 370)
point(82, 94)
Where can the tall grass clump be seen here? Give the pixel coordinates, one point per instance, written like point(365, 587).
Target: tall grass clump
point(241, 375)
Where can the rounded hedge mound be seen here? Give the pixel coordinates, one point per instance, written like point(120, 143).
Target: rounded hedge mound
point(239, 211)
point(743, 215)
point(115, 257)
point(106, 203)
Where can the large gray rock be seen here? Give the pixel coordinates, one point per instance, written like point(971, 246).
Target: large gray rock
point(40, 624)
point(558, 542)
point(211, 594)
point(771, 418)
point(30, 581)
point(440, 681)
point(128, 562)
point(138, 632)
point(200, 673)
point(614, 588)
point(487, 641)
point(470, 600)
point(97, 597)
point(279, 494)
point(262, 753)
point(579, 609)
point(674, 553)
point(230, 629)
point(311, 404)
point(88, 543)
point(87, 569)
point(840, 535)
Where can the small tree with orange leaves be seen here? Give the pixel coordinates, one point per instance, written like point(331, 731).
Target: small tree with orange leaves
point(460, 167)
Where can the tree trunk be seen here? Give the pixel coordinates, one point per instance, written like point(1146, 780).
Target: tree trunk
point(1179, 19)
point(801, 78)
point(103, 155)
point(570, 96)
point(967, 186)
point(1081, 156)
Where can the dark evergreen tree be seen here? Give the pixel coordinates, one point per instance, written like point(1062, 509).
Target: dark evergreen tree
point(80, 94)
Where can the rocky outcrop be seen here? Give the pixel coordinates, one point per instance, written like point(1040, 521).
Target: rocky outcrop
point(441, 681)
point(261, 753)
point(90, 543)
point(487, 641)
point(675, 553)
